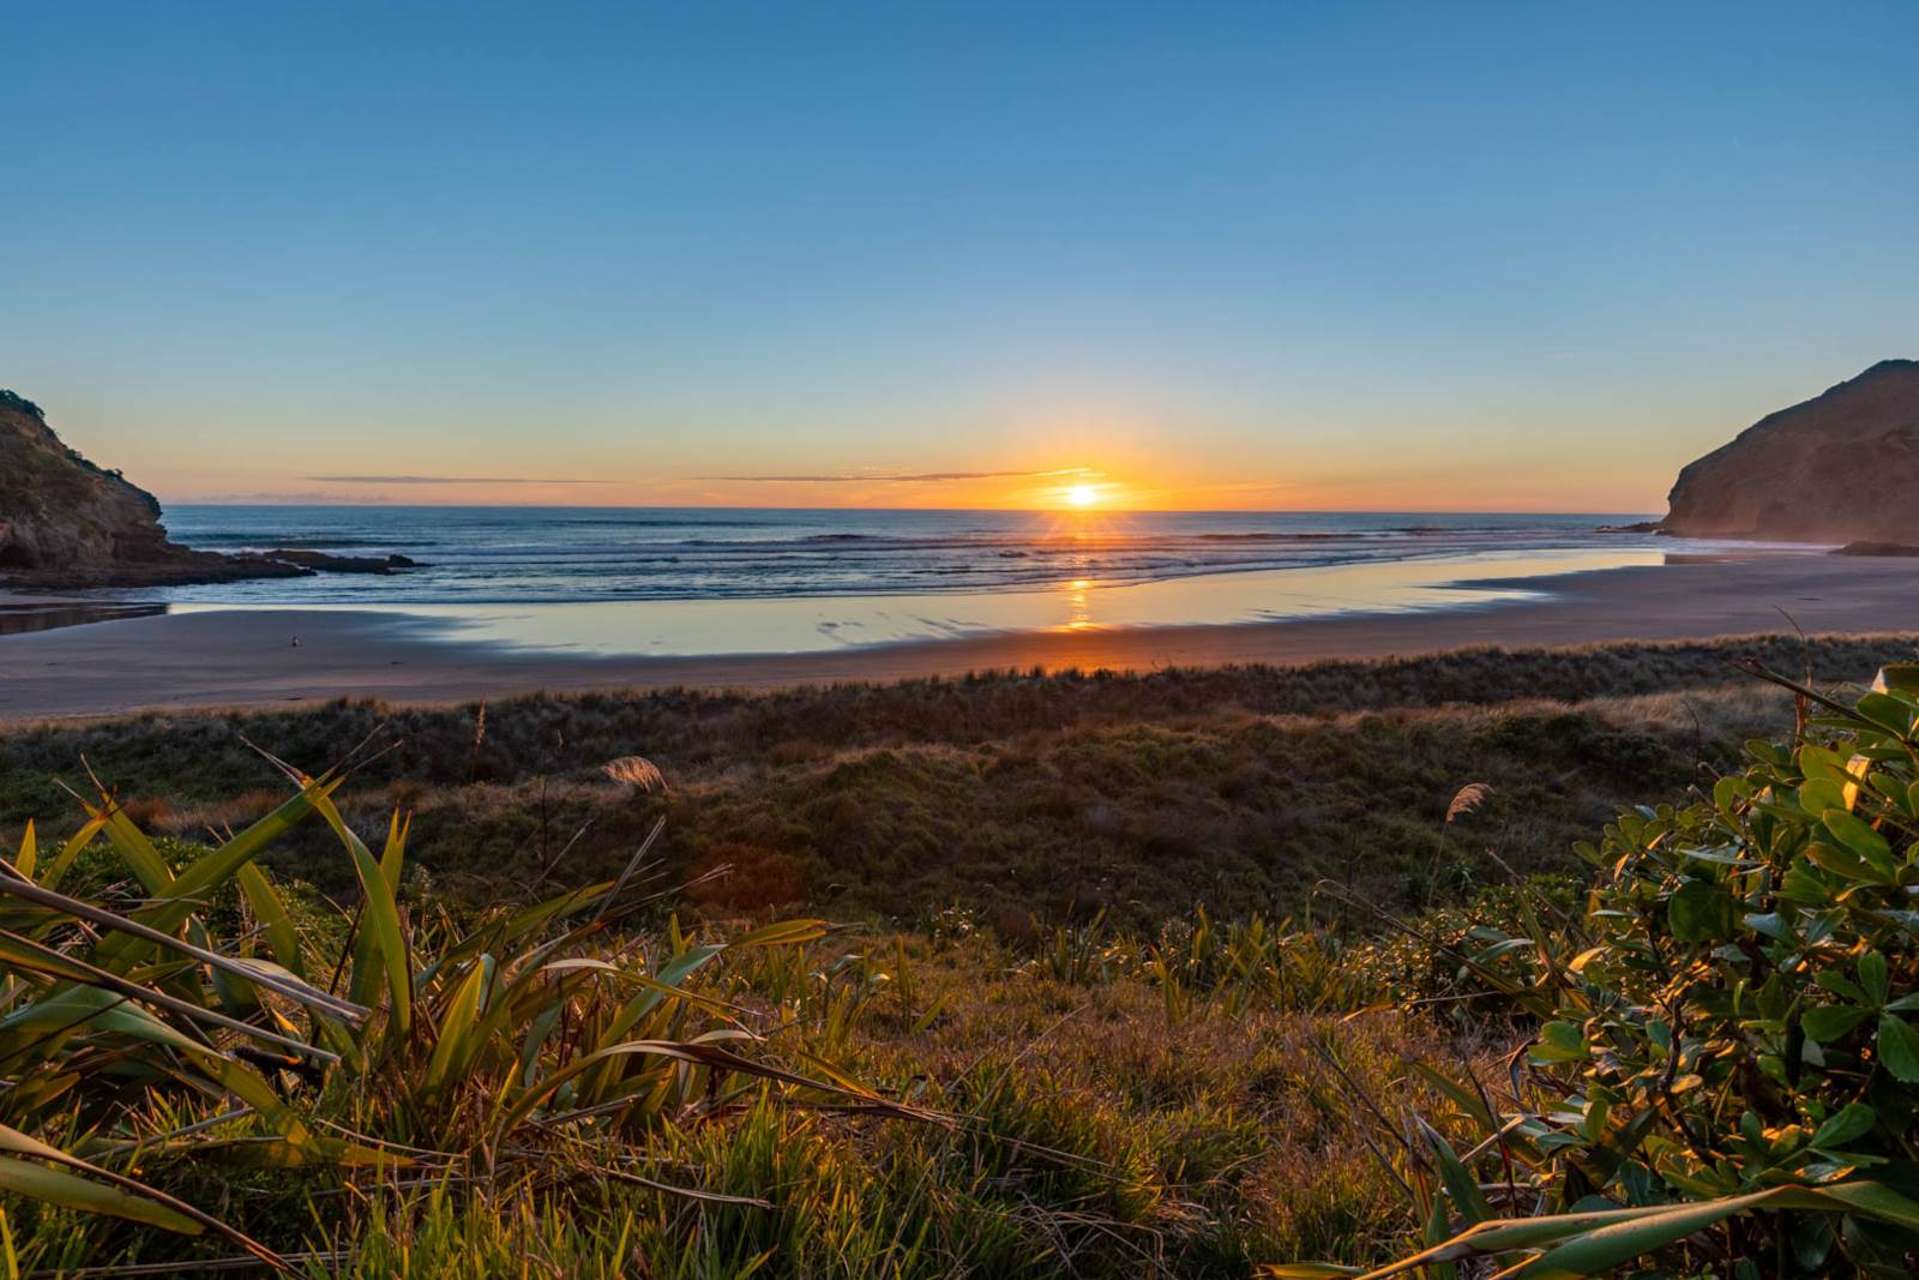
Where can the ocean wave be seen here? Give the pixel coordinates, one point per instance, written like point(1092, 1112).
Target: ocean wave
point(507, 555)
point(614, 522)
point(300, 541)
point(1273, 537)
point(1508, 530)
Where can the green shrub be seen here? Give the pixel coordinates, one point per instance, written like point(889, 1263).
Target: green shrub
point(1725, 1064)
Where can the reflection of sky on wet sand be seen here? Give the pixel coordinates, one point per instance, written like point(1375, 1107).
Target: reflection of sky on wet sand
point(17, 619)
point(789, 625)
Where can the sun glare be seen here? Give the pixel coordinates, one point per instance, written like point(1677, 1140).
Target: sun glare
point(1081, 495)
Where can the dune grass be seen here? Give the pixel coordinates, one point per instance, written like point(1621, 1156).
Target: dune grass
point(1143, 795)
point(1170, 975)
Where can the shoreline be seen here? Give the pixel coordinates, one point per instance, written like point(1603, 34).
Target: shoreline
point(245, 658)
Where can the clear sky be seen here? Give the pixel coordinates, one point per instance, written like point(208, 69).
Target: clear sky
point(1287, 255)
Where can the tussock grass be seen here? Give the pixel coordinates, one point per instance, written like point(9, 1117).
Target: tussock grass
point(1145, 795)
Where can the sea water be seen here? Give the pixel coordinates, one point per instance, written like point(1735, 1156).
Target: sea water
point(732, 581)
point(517, 555)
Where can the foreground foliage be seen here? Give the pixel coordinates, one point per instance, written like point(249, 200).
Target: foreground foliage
point(1723, 1072)
point(1699, 1059)
point(534, 1044)
point(205, 1064)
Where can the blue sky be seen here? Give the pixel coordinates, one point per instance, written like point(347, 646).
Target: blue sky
point(1346, 255)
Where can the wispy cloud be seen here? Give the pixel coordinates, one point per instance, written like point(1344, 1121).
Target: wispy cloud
point(915, 477)
point(443, 480)
point(277, 498)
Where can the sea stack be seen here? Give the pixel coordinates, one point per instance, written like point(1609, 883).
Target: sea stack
point(1840, 468)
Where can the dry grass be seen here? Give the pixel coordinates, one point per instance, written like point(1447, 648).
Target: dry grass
point(637, 772)
point(1241, 1142)
point(1053, 796)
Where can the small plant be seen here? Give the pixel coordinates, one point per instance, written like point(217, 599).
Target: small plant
point(1083, 954)
point(14, 400)
point(1242, 965)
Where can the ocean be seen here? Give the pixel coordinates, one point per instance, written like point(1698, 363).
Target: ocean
point(526, 555)
point(650, 581)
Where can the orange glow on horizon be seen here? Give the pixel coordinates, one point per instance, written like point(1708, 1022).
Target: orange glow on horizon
point(1128, 481)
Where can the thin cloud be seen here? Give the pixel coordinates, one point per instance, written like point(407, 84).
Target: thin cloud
point(443, 480)
point(917, 477)
point(282, 498)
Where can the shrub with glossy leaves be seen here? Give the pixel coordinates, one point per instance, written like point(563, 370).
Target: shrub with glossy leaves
point(1723, 1078)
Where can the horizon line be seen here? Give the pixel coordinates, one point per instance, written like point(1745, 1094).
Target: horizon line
point(1049, 510)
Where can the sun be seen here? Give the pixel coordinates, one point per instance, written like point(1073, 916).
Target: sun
point(1082, 495)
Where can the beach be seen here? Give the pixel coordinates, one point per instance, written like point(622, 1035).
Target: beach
point(248, 658)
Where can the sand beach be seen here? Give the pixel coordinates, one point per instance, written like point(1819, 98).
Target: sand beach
point(248, 658)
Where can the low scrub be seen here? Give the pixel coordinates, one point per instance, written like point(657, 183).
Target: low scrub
point(1061, 795)
point(1722, 1079)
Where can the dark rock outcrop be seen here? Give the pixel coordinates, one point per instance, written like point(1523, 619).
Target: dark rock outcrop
point(1875, 549)
point(66, 523)
point(1841, 467)
point(330, 563)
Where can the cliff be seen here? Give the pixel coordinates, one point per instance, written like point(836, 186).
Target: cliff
point(1841, 467)
point(65, 522)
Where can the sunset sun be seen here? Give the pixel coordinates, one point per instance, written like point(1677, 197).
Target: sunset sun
point(1082, 495)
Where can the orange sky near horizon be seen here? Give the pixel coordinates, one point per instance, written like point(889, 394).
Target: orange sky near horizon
point(1128, 466)
point(1549, 446)
point(1079, 488)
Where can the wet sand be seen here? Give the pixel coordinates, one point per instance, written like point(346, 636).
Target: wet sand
point(247, 658)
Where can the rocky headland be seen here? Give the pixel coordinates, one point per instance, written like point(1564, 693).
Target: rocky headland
point(66, 523)
point(1841, 468)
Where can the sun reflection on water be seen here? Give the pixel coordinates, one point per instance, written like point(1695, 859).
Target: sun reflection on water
point(811, 624)
point(1079, 611)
